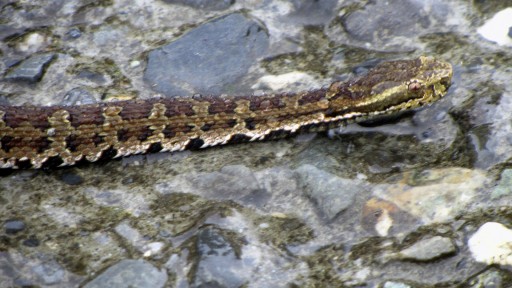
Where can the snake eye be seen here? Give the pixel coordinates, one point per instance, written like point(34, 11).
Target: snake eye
point(414, 86)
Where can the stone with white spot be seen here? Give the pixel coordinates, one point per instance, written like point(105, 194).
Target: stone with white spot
point(496, 29)
point(492, 244)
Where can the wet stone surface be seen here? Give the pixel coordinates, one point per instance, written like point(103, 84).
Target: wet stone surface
point(417, 200)
point(31, 69)
point(130, 273)
point(228, 47)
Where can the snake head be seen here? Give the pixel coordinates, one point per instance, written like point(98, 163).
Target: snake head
point(393, 86)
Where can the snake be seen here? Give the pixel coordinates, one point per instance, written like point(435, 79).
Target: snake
point(52, 136)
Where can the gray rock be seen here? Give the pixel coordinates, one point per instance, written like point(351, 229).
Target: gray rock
point(218, 265)
point(49, 272)
point(504, 187)
point(72, 179)
point(3, 100)
point(331, 194)
point(130, 273)
point(313, 12)
point(491, 278)
point(32, 69)
point(78, 96)
point(379, 20)
point(428, 249)
point(7, 31)
point(233, 182)
point(74, 33)
point(393, 284)
point(14, 226)
point(204, 4)
point(208, 59)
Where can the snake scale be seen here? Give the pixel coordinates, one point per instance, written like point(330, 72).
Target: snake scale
point(49, 136)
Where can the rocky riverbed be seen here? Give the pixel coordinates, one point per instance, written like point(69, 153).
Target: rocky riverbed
point(421, 200)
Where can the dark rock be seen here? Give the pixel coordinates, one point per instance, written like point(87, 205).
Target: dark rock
point(509, 32)
point(218, 264)
point(204, 4)
point(71, 179)
point(74, 33)
point(31, 242)
point(209, 59)
point(14, 226)
point(32, 69)
point(130, 273)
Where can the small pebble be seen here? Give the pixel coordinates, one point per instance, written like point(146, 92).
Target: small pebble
point(14, 226)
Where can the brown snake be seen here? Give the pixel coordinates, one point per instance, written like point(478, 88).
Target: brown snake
point(36, 136)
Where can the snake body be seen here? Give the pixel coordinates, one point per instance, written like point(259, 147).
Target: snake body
point(47, 136)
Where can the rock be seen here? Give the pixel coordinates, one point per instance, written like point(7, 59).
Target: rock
point(208, 59)
point(492, 244)
point(50, 272)
point(31, 70)
point(74, 33)
point(130, 234)
point(497, 28)
point(284, 81)
point(129, 200)
point(496, 148)
point(331, 194)
point(382, 21)
point(232, 182)
point(14, 226)
point(434, 195)
point(219, 264)
point(313, 12)
point(31, 242)
point(72, 179)
point(204, 4)
point(393, 284)
point(428, 249)
point(78, 96)
point(384, 218)
point(491, 278)
point(130, 273)
point(504, 187)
